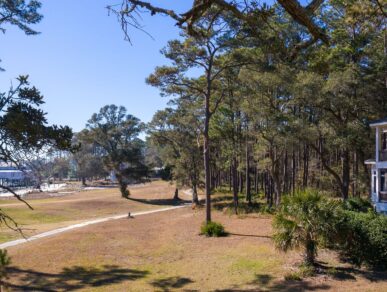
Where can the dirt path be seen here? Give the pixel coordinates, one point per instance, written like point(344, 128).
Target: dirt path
point(80, 225)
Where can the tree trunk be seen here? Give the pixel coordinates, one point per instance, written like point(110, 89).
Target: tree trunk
point(241, 182)
point(206, 154)
point(248, 182)
point(195, 198)
point(286, 175)
point(230, 179)
point(123, 187)
point(345, 174)
point(176, 195)
point(306, 166)
point(83, 181)
point(293, 172)
point(310, 252)
point(235, 184)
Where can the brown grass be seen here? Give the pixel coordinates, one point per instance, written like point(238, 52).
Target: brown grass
point(164, 252)
point(58, 212)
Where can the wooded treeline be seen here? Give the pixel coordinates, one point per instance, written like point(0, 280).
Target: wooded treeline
point(265, 120)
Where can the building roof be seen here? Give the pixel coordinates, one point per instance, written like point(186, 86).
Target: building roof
point(381, 122)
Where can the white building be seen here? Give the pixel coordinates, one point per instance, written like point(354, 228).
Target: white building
point(11, 176)
point(11, 173)
point(379, 167)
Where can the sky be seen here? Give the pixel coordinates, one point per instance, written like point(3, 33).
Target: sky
point(81, 62)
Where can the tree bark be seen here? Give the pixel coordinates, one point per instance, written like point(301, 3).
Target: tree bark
point(306, 166)
point(206, 153)
point(345, 174)
point(195, 198)
point(248, 181)
point(176, 195)
point(235, 184)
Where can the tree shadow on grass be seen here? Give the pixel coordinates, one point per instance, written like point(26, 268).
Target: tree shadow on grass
point(286, 286)
point(262, 279)
point(225, 203)
point(350, 273)
point(165, 284)
point(161, 202)
point(249, 235)
point(72, 278)
point(266, 282)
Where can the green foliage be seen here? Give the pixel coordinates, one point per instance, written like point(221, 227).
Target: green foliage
point(5, 261)
point(175, 134)
point(20, 13)
point(166, 173)
point(295, 276)
point(88, 158)
point(357, 204)
point(116, 133)
point(363, 238)
point(304, 220)
point(23, 124)
point(304, 271)
point(213, 229)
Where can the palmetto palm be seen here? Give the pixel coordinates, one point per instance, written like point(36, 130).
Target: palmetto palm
point(304, 220)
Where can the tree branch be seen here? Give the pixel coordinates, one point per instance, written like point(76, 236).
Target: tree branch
point(16, 196)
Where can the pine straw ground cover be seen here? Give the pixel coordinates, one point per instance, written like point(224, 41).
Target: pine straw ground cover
point(164, 252)
point(56, 212)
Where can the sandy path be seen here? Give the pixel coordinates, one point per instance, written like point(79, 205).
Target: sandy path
point(83, 224)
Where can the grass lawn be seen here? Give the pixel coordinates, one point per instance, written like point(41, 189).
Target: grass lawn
point(164, 252)
point(62, 211)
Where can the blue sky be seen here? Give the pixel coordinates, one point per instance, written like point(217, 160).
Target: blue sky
point(80, 61)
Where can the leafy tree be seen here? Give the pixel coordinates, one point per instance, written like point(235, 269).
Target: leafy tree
point(88, 159)
point(117, 134)
point(24, 129)
point(5, 261)
point(23, 125)
point(305, 220)
point(176, 134)
point(207, 53)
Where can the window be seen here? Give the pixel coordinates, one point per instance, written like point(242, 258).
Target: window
point(383, 181)
point(374, 183)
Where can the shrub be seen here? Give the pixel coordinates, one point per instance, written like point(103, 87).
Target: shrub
point(364, 239)
point(358, 205)
point(293, 277)
point(4, 263)
point(303, 271)
point(304, 220)
point(213, 229)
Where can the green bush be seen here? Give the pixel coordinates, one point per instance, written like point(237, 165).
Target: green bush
point(5, 261)
point(213, 229)
point(358, 205)
point(364, 239)
point(293, 277)
point(304, 221)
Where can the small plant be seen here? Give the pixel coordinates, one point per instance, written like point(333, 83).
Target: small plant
point(293, 276)
point(332, 272)
point(5, 261)
point(306, 270)
point(213, 229)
